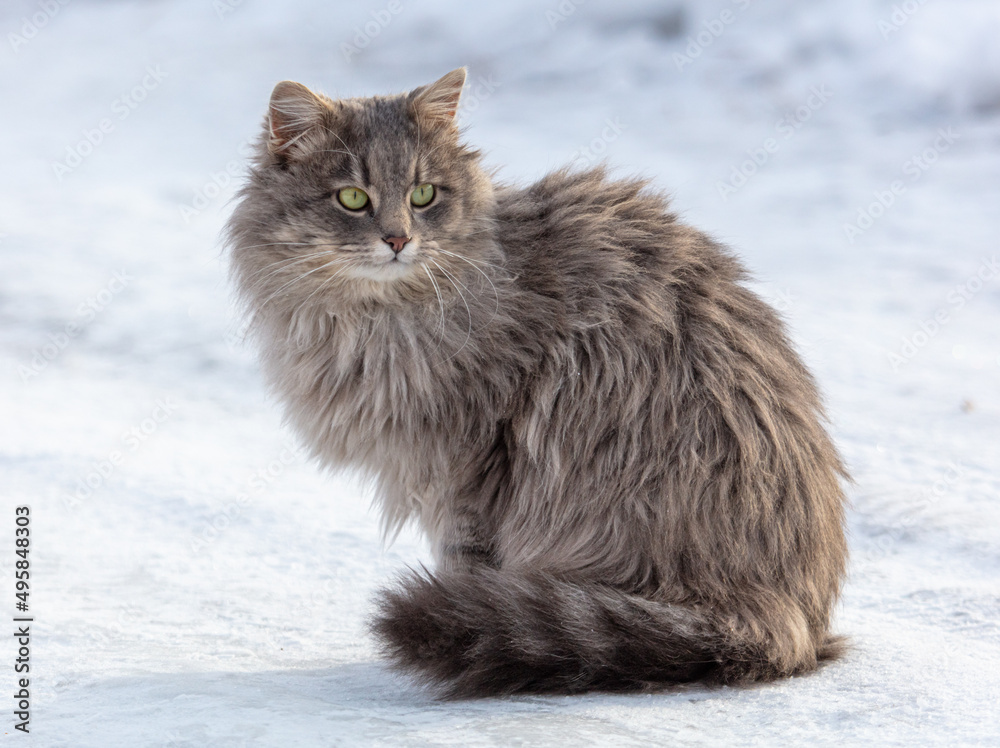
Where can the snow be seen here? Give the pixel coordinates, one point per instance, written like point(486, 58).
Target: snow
point(212, 589)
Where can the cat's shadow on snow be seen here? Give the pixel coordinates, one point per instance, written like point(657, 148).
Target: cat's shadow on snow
point(345, 687)
point(362, 685)
point(360, 703)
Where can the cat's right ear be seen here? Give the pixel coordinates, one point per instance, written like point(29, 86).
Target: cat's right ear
point(293, 114)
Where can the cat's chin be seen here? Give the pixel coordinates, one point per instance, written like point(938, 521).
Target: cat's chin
point(385, 272)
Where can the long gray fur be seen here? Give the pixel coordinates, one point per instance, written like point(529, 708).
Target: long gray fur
point(617, 456)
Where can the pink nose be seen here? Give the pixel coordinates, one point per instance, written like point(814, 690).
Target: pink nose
point(396, 242)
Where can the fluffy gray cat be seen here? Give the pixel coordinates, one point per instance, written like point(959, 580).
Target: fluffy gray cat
point(617, 456)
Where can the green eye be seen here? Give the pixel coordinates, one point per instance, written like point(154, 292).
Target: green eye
point(353, 198)
point(422, 195)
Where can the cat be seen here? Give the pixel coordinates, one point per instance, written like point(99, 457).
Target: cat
point(619, 460)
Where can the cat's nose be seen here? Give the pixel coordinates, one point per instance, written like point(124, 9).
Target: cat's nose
point(396, 242)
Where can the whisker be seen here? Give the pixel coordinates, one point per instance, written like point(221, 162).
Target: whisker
point(261, 307)
point(347, 150)
point(295, 260)
point(284, 265)
point(301, 277)
point(440, 303)
point(468, 259)
point(285, 244)
point(323, 285)
point(496, 294)
point(468, 310)
point(432, 150)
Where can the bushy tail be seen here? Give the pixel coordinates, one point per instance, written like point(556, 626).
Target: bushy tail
point(495, 632)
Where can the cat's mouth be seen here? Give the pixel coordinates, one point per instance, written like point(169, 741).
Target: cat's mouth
point(383, 264)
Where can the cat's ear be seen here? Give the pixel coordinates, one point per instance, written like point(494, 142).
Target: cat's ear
point(294, 112)
point(438, 102)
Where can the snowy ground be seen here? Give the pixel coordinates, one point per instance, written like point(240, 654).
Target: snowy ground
point(211, 589)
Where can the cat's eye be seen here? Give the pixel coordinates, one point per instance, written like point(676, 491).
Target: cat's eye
point(422, 195)
point(353, 198)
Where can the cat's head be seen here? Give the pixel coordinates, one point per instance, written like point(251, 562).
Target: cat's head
point(359, 198)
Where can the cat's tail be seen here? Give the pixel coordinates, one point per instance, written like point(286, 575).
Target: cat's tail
point(493, 632)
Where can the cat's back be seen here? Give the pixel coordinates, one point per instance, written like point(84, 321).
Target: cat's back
point(567, 215)
point(606, 246)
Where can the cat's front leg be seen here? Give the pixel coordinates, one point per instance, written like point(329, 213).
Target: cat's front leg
point(464, 556)
point(458, 507)
point(462, 540)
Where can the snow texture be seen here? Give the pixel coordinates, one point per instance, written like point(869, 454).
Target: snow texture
point(210, 589)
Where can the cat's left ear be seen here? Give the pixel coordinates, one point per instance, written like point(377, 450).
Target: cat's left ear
point(438, 102)
point(293, 114)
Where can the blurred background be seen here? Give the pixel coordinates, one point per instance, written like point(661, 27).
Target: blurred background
point(197, 582)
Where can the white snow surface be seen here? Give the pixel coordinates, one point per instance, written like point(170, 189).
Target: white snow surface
point(212, 589)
